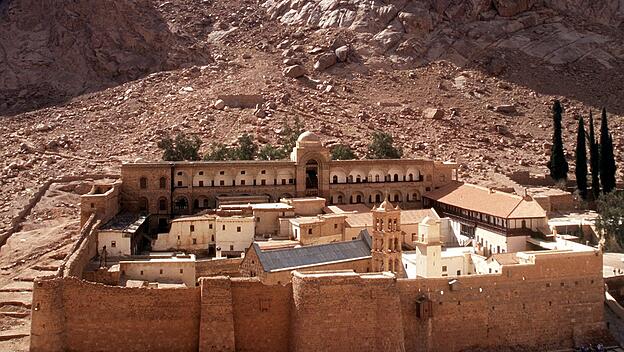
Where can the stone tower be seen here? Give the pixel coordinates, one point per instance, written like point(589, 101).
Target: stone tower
point(386, 237)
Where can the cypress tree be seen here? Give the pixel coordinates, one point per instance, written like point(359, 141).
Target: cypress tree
point(581, 160)
point(558, 164)
point(594, 159)
point(607, 159)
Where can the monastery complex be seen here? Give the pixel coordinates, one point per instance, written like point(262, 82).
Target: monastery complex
point(314, 254)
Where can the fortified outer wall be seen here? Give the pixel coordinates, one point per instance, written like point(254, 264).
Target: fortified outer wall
point(560, 296)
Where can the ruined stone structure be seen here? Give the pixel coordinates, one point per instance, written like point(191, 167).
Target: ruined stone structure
point(164, 189)
point(556, 301)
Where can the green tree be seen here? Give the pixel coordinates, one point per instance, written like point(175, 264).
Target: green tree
point(269, 152)
point(558, 164)
point(611, 217)
point(218, 152)
point(342, 152)
point(180, 148)
point(290, 134)
point(246, 149)
point(581, 160)
point(594, 158)
point(382, 147)
point(607, 159)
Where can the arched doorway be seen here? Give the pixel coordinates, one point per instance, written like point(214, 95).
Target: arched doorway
point(181, 205)
point(312, 183)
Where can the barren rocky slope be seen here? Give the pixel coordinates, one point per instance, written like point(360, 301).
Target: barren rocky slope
point(470, 59)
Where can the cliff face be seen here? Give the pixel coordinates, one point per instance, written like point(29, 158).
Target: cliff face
point(53, 50)
point(422, 31)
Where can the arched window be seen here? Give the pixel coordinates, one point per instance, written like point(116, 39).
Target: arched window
point(162, 204)
point(376, 178)
point(378, 198)
point(339, 199)
point(143, 182)
point(358, 179)
point(163, 182)
point(335, 179)
point(396, 177)
point(411, 177)
point(397, 198)
point(358, 199)
point(415, 197)
point(350, 179)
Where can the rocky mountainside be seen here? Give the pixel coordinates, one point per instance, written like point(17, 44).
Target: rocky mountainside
point(54, 50)
point(472, 81)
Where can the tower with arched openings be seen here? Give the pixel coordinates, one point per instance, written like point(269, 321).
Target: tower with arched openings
point(386, 249)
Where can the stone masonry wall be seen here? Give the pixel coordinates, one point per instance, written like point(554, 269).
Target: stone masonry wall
point(556, 302)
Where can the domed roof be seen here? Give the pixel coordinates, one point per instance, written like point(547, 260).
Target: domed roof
point(386, 205)
point(308, 136)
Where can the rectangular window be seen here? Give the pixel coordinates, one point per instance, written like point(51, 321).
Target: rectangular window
point(194, 240)
point(309, 231)
point(92, 205)
point(263, 182)
point(231, 247)
point(161, 271)
point(242, 172)
point(242, 182)
point(210, 226)
point(291, 181)
point(179, 183)
point(335, 226)
point(283, 181)
point(222, 183)
point(201, 183)
point(181, 271)
point(221, 172)
point(458, 272)
point(180, 173)
point(238, 229)
point(263, 172)
point(444, 268)
point(141, 272)
point(201, 173)
point(223, 227)
point(113, 244)
point(192, 228)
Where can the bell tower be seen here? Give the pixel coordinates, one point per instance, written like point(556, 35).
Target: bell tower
point(386, 250)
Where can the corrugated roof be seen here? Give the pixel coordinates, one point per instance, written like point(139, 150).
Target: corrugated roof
point(408, 217)
point(487, 201)
point(125, 222)
point(293, 258)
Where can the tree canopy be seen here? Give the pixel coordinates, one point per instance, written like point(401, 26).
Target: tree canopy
point(382, 147)
point(581, 160)
point(558, 164)
point(607, 159)
point(180, 148)
point(342, 152)
point(611, 218)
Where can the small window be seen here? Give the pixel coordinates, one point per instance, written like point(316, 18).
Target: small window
point(223, 228)
point(263, 182)
point(335, 226)
point(141, 272)
point(178, 238)
point(309, 231)
point(92, 205)
point(221, 172)
point(458, 272)
point(161, 271)
point(194, 240)
point(242, 172)
point(283, 181)
point(113, 244)
point(291, 181)
point(210, 226)
point(242, 182)
point(212, 238)
point(179, 183)
point(238, 229)
point(221, 183)
point(181, 271)
point(201, 173)
point(231, 247)
point(201, 183)
point(180, 173)
point(143, 182)
point(163, 183)
point(444, 268)
point(192, 228)
point(263, 172)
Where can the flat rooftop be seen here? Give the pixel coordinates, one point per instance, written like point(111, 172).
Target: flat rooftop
point(257, 206)
point(125, 222)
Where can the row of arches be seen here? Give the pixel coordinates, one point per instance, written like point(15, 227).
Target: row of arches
point(375, 175)
point(374, 197)
point(185, 205)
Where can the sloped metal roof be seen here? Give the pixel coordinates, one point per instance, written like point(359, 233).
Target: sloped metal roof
point(292, 258)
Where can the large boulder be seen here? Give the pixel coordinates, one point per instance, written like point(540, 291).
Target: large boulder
point(342, 53)
point(294, 71)
point(325, 61)
point(509, 8)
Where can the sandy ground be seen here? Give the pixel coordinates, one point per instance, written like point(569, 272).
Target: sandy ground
point(37, 250)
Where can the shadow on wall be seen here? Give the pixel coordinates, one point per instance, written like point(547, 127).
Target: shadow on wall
point(51, 51)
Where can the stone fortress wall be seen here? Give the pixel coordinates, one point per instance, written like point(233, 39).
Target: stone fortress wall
point(555, 302)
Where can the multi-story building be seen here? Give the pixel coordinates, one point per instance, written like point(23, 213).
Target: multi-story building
point(167, 189)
